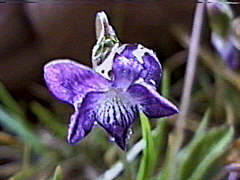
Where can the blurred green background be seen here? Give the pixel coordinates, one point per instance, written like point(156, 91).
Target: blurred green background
point(33, 124)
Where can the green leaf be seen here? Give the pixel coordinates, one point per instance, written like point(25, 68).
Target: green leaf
point(199, 134)
point(220, 18)
point(165, 83)
point(9, 101)
point(58, 173)
point(149, 154)
point(203, 125)
point(160, 133)
point(161, 130)
point(165, 171)
point(14, 124)
point(203, 153)
point(160, 138)
point(48, 119)
point(218, 144)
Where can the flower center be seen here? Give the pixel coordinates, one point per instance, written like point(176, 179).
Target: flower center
point(117, 109)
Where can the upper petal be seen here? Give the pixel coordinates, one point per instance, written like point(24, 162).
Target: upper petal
point(125, 71)
point(70, 81)
point(150, 102)
point(150, 67)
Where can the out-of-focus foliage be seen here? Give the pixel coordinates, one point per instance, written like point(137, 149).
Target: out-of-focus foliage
point(199, 157)
point(223, 32)
point(57, 174)
point(32, 138)
point(48, 119)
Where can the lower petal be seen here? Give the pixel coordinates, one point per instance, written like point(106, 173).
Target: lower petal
point(115, 113)
point(150, 102)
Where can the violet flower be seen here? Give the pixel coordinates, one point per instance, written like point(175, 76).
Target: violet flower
point(230, 171)
point(111, 101)
point(223, 38)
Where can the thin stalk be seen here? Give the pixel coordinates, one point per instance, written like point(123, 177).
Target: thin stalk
point(188, 82)
point(219, 93)
point(26, 156)
point(210, 60)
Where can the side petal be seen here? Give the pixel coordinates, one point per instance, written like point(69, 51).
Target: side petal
point(150, 102)
point(70, 81)
point(151, 68)
point(82, 121)
point(80, 125)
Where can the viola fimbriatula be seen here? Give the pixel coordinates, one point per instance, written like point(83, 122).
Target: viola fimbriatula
point(121, 84)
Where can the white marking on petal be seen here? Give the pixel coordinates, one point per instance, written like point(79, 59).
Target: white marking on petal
point(139, 81)
point(111, 111)
point(123, 59)
point(140, 52)
point(65, 61)
point(106, 65)
point(121, 48)
point(152, 81)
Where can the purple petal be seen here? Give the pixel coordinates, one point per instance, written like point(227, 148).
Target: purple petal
point(227, 51)
point(70, 81)
point(115, 113)
point(82, 121)
point(125, 71)
point(150, 102)
point(151, 68)
point(79, 126)
point(126, 50)
point(232, 59)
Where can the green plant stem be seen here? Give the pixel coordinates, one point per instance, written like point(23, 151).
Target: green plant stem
point(26, 156)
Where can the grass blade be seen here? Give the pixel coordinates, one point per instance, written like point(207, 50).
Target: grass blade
point(48, 119)
point(58, 173)
point(9, 102)
point(149, 154)
point(17, 126)
point(200, 155)
point(217, 150)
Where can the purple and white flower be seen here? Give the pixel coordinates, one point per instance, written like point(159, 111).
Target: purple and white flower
point(111, 99)
point(221, 20)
